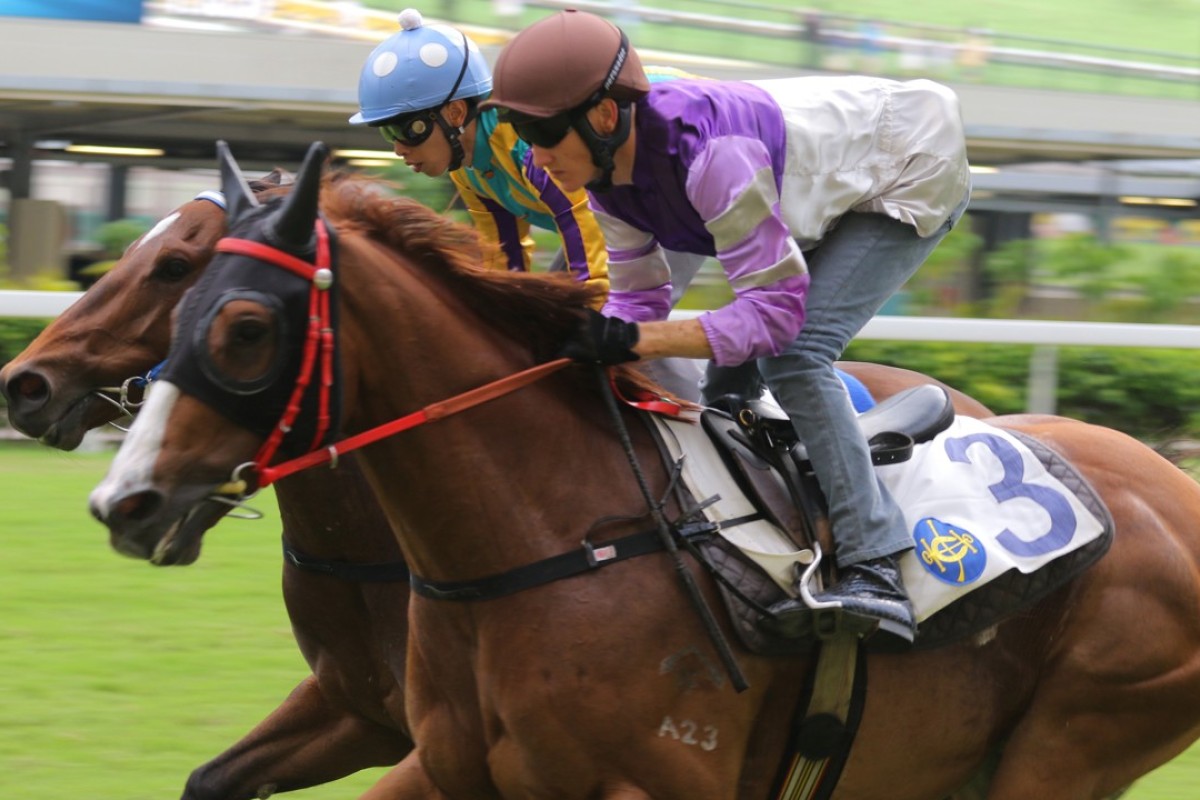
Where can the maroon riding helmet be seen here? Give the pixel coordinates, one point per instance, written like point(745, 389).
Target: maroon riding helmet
point(558, 64)
point(552, 72)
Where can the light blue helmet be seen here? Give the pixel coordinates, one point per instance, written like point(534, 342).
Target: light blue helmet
point(421, 67)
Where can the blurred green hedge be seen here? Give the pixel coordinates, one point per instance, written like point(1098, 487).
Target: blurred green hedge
point(1145, 392)
point(16, 334)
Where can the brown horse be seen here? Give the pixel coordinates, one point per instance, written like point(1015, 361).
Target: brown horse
point(564, 690)
point(349, 713)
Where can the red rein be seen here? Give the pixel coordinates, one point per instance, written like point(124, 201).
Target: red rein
point(319, 343)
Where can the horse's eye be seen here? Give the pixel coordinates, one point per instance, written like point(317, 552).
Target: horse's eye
point(249, 331)
point(172, 270)
point(241, 344)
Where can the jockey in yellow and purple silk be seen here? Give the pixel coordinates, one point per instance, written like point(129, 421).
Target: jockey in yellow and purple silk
point(421, 88)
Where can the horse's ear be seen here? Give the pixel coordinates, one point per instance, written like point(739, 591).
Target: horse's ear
point(279, 177)
point(238, 196)
point(294, 224)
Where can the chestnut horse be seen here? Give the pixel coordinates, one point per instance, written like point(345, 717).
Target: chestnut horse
point(564, 690)
point(349, 714)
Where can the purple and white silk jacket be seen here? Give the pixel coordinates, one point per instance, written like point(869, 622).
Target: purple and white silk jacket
point(754, 173)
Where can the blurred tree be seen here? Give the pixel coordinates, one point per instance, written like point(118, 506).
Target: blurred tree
point(1085, 264)
point(113, 239)
point(1169, 289)
point(436, 193)
point(1009, 269)
point(940, 285)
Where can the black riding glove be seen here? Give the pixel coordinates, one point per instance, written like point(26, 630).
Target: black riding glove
point(601, 340)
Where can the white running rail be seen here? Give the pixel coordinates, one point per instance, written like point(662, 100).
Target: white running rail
point(930, 329)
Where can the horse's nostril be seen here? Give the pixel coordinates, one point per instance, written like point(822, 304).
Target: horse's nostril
point(139, 506)
point(28, 389)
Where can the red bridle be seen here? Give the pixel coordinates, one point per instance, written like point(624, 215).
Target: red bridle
point(319, 340)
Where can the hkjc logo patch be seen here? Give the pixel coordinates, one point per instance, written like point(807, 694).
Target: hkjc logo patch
point(950, 555)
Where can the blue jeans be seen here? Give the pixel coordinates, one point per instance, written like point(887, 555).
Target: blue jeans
point(853, 272)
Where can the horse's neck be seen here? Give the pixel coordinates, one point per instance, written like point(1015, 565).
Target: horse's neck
point(333, 514)
point(500, 484)
point(407, 343)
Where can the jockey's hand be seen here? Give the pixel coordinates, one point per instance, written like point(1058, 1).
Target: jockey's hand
point(601, 340)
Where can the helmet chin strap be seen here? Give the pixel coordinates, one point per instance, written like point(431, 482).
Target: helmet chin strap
point(454, 134)
point(604, 148)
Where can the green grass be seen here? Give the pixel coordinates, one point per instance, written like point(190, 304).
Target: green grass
point(1164, 25)
point(117, 678)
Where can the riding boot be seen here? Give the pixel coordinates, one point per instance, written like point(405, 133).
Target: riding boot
point(868, 601)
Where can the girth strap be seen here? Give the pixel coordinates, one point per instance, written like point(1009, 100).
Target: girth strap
point(825, 730)
point(379, 572)
point(565, 565)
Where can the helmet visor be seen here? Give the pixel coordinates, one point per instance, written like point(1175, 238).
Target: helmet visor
point(410, 130)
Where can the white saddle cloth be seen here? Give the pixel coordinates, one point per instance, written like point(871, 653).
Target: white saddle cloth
point(977, 501)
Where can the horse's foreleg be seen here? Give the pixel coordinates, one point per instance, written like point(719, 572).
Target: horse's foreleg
point(304, 742)
point(977, 788)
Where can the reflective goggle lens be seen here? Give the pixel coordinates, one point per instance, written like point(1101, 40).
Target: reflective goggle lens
point(543, 132)
point(410, 132)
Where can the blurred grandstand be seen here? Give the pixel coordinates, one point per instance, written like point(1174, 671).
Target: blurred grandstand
point(1053, 126)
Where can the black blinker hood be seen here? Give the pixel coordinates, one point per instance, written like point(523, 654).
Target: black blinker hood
point(286, 223)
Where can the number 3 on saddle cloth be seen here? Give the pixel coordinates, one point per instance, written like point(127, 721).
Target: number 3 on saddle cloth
point(997, 520)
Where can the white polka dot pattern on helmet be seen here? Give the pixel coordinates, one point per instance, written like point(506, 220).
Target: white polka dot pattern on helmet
point(421, 66)
point(384, 65)
point(434, 54)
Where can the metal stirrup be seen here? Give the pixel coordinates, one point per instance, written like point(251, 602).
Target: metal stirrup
point(808, 577)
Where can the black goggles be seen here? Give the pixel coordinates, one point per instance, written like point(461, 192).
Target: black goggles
point(542, 132)
point(409, 131)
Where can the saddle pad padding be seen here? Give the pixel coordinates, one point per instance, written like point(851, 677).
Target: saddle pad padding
point(705, 475)
point(1015, 590)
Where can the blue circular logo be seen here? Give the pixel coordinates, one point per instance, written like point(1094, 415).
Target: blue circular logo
point(951, 555)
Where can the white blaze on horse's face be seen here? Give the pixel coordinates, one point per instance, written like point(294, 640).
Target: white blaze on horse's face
point(159, 229)
point(132, 470)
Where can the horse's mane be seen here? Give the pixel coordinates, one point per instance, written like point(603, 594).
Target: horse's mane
point(538, 310)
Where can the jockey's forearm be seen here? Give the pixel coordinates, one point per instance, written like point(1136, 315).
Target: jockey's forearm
point(678, 338)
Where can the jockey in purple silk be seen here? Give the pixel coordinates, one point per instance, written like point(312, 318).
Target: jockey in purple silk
point(819, 196)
